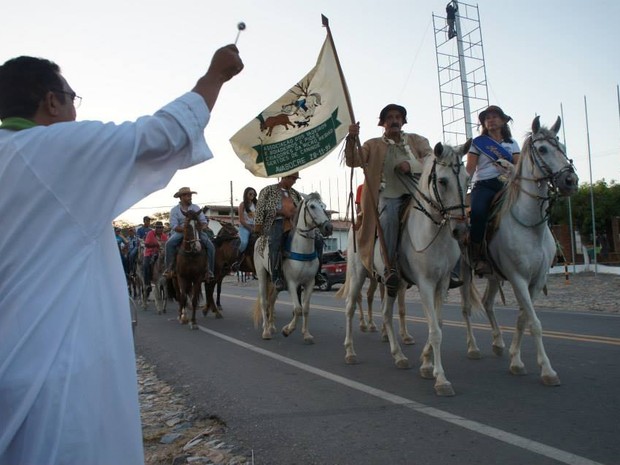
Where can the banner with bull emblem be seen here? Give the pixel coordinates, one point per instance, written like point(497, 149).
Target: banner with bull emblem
point(300, 128)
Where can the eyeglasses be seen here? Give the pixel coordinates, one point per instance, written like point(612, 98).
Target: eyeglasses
point(75, 99)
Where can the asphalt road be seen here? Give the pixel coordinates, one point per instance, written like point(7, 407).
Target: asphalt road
point(293, 403)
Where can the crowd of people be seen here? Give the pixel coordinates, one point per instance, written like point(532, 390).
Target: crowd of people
point(58, 404)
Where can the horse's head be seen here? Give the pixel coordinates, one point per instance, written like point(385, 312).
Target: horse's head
point(191, 231)
point(445, 185)
point(312, 212)
point(549, 158)
point(227, 231)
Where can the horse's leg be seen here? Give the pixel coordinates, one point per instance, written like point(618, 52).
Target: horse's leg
point(388, 308)
point(473, 352)
point(402, 318)
point(358, 303)
point(356, 275)
point(489, 307)
point(263, 300)
point(431, 297)
point(182, 301)
point(218, 305)
point(370, 296)
point(297, 309)
point(527, 314)
point(196, 291)
point(305, 305)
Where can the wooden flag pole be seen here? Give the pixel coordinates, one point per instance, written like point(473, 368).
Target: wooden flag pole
point(358, 146)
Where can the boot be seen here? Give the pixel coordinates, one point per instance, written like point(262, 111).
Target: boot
point(392, 280)
point(278, 282)
point(478, 260)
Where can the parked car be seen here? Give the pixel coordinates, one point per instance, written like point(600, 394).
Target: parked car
point(333, 270)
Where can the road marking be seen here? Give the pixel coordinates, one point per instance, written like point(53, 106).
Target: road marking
point(480, 428)
point(607, 340)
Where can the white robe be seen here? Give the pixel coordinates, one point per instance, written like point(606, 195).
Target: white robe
point(68, 388)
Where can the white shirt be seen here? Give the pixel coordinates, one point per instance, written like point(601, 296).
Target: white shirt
point(486, 168)
point(68, 388)
point(178, 219)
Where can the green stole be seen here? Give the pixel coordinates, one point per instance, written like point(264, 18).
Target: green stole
point(15, 123)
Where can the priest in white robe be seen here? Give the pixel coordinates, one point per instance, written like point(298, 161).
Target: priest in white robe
point(68, 388)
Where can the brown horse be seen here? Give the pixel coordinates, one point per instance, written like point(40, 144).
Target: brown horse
point(191, 267)
point(226, 254)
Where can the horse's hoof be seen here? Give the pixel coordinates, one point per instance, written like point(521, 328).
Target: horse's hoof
point(551, 380)
point(309, 340)
point(384, 338)
point(403, 364)
point(474, 354)
point(373, 328)
point(363, 328)
point(193, 326)
point(266, 336)
point(351, 359)
point(499, 351)
point(444, 390)
point(408, 341)
point(285, 333)
point(219, 316)
point(427, 372)
point(518, 370)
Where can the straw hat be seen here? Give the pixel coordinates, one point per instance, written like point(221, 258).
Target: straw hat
point(183, 191)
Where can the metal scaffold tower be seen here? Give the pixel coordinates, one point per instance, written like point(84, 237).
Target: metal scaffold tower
point(461, 71)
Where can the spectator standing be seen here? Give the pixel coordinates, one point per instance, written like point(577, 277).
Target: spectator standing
point(68, 387)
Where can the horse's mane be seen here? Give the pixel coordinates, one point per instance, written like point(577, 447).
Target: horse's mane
point(513, 187)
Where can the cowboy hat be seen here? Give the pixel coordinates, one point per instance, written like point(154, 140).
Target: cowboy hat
point(493, 109)
point(392, 106)
point(183, 191)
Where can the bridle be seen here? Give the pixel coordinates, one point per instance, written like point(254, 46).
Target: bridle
point(444, 212)
point(309, 233)
point(189, 243)
point(440, 210)
point(548, 178)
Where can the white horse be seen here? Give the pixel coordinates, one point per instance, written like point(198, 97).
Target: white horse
point(370, 326)
point(428, 252)
point(522, 248)
point(158, 283)
point(299, 268)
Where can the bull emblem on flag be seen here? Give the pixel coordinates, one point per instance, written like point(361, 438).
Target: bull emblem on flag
point(300, 128)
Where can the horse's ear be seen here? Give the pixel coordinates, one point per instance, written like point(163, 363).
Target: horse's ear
point(438, 149)
point(536, 125)
point(467, 146)
point(184, 213)
point(556, 127)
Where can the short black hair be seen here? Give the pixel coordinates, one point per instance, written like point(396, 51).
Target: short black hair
point(24, 82)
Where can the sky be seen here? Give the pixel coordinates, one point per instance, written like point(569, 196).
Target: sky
point(128, 59)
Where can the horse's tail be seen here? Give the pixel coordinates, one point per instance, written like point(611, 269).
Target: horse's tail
point(343, 292)
point(471, 296)
point(256, 310)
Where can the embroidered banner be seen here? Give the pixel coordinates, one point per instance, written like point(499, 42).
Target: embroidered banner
point(300, 128)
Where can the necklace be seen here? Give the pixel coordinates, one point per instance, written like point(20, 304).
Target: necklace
point(403, 143)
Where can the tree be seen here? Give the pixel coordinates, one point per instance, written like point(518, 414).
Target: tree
point(606, 206)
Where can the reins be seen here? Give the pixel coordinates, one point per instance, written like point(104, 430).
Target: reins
point(547, 180)
point(437, 204)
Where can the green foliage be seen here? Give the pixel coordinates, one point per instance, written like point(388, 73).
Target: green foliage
point(606, 200)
